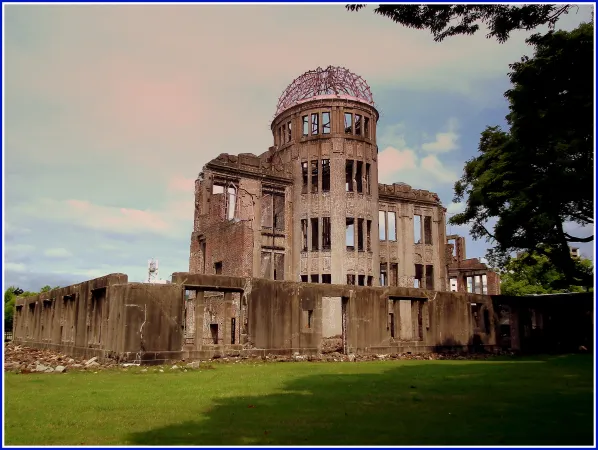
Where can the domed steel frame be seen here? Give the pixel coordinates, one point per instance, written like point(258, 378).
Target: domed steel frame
point(329, 81)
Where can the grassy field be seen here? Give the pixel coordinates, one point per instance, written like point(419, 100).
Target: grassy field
point(503, 401)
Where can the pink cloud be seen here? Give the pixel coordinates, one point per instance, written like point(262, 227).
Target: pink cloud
point(181, 184)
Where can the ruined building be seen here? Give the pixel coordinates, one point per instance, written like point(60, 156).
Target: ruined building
point(469, 274)
point(310, 208)
point(300, 249)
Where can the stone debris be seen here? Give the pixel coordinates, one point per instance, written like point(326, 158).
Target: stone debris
point(22, 359)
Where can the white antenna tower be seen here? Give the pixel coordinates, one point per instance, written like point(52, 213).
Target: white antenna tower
point(152, 270)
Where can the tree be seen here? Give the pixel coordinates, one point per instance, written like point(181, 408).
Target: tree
point(538, 175)
point(501, 20)
point(10, 295)
point(535, 274)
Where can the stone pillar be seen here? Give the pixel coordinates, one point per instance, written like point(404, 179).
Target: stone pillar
point(199, 312)
point(226, 325)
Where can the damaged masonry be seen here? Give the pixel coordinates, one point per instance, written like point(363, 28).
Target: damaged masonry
point(301, 250)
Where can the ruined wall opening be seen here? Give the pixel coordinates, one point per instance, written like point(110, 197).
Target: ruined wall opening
point(305, 122)
point(326, 278)
point(314, 177)
point(47, 319)
point(408, 316)
point(366, 126)
point(357, 125)
point(430, 277)
point(218, 268)
point(202, 250)
point(325, 175)
point(214, 332)
point(428, 230)
point(360, 233)
point(30, 321)
point(279, 266)
point(359, 176)
point(350, 279)
point(325, 123)
point(348, 123)
point(326, 234)
point(394, 274)
point(349, 176)
point(392, 226)
point(383, 274)
point(303, 235)
point(350, 233)
point(368, 235)
point(304, 175)
point(314, 234)
point(315, 125)
point(304, 278)
point(361, 280)
point(315, 278)
point(368, 177)
point(95, 316)
point(417, 229)
point(419, 274)
point(382, 225)
point(332, 325)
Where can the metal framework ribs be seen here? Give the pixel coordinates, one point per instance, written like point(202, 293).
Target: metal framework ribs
point(329, 81)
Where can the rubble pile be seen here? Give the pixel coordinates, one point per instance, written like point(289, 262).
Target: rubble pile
point(23, 359)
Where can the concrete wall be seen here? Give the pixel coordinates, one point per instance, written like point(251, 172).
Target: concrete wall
point(104, 317)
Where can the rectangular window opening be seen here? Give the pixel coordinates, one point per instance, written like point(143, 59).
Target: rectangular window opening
point(315, 125)
point(417, 229)
point(430, 277)
point(325, 123)
point(428, 230)
point(217, 189)
point(383, 274)
point(279, 266)
point(350, 279)
point(391, 324)
point(368, 235)
point(218, 268)
point(359, 176)
point(419, 274)
point(266, 266)
point(279, 212)
point(382, 224)
point(370, 280)
point(305, 121)
point(361, 280)
point(266, 204)
point(233, 326)
point(315, 278)
point(304, 174)
point(348, 123)
point(350, 233)
point(314, 176)
point(368, 187)
point(231, 203)
point(214, 332)
point(357, 125)
point(360, 235)
point(325, 175)
point(326, 278)
point(392, 226)
point(366, 127)
point(394, 274)
point(310, 315)
point(304, 278)
point(314, 235)
point(289, 131)
point(349, 176)
point(304, 235)
point(326, 234)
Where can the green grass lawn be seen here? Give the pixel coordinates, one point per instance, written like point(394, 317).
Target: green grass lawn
point(539, 401)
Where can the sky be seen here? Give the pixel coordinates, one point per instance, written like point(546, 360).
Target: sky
point(111, 111)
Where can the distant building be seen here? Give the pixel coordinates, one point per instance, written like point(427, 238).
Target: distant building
point(575, 252)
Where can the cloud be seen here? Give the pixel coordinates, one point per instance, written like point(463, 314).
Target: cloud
point(455, 208)
point(445, 141)
point(15, 267)
point(19, 249)
point(57, 253)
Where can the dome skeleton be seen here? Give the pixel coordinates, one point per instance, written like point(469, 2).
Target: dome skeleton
point(319, 82)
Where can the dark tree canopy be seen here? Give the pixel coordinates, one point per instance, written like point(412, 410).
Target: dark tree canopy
point(538, 176)
point(451, 20)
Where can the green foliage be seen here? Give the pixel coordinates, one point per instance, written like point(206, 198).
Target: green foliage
point(536, 274)
point(440, 20)
point(539, 175)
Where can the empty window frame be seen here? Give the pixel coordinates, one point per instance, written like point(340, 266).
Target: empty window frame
point(304, 235)
point(370, 280)
point(484, 284)
point(309, 318)
point(383, 274)
point(278, 215)
point(359, 175)
point(280, 141)
point(348, 123)
point(314, 235)
point(326, 278)
point(394, 274)
point(419, 274)
point(314, 176)
point(360, 235)
point(392, 226)
point(279, 266)
point(350, 279)
point(368, 187)
point(325, 175)
point(289, 131)
point(315, 278)
point(305, 122)
point(231, 203)
point(368, 235)
point(357, 125)
point(304, 174)
point(218, 268)
point(266, 265)
point(427, 230)
point(267, 205)
point(361, 280)
point(326, 233)
point(417, 229)
point(350, 233)
point(382, 224)
point(315, 124)
point(304, 278)
point(202, 249)
point(217, 189)
point(430, 277)
point(325, 123)
point(349, 176)
point(366, 126)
